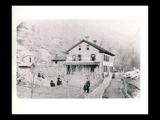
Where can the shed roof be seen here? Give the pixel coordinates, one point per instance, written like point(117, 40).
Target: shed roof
point(102, 50)
point(23, 64)
point(58, 59)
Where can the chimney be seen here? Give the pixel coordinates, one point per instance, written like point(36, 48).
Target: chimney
point(56, 55)
point(86, 37)
point(95, 41)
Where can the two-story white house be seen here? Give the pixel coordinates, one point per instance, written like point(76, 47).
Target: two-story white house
point(87, 57)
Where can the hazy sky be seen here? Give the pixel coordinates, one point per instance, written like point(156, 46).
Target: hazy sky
point(123, 31)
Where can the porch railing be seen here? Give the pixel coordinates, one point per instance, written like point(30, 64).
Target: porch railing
point(79, 60)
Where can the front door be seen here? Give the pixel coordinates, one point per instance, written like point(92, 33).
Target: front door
point(92, 68)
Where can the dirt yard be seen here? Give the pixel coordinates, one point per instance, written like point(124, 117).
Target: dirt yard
point(75, 90)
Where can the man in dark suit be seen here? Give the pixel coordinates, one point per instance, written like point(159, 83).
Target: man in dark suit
point(87, 85)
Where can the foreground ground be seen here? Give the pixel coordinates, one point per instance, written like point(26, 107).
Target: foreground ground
point(74, 90)
point(114, 89)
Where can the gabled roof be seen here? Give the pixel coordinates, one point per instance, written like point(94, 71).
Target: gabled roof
point(101, 50)
point(26, 52)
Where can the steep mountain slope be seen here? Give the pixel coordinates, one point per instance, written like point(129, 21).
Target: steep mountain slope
point(29, 36)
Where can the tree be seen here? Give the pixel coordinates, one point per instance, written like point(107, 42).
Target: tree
point(67, 78)
point(32, 70)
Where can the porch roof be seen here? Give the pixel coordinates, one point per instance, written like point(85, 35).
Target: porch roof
point(81, 63)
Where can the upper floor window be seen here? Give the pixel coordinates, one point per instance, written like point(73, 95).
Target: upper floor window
point(74, 58)
point(79, 47)
point(30, 59)
point(106, 58)
point(87, 47)
point(79, 57)
point(93, 57)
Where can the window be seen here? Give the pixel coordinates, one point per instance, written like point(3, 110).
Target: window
point(73, 68)
point(108, 58)
point(87, 47)
point(93, 57)
point(74, 58)
point(79, 57)
point(104, 58)
point(79, 47)
point(55, 62)
point(106, 68)
point(30, 60)
point(79, 68)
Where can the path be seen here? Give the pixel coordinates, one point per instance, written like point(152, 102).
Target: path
point(98, 92)
point(112, 90)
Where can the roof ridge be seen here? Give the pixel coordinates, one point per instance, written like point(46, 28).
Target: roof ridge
point(94, 45)
point(99, 47)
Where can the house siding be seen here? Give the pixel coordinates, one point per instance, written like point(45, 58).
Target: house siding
point(26, 59)
point(107, 63)
point(87, 54)
point(84, 52)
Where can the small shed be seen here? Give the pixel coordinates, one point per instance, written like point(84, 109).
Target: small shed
point(24, 68)
point(57, 59)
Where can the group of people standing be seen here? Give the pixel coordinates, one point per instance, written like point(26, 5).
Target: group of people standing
point(41, 74)
point(59, 82)
point(52, 84)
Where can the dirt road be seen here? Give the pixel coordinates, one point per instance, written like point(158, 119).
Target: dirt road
point(112, 91)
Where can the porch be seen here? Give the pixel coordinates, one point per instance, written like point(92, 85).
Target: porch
point(77, 67)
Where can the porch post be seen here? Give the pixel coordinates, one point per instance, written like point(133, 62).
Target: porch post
point(83, 69)
point(77, 69)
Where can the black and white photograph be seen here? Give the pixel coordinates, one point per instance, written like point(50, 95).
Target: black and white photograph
point(84, 59)
point(78, 58)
